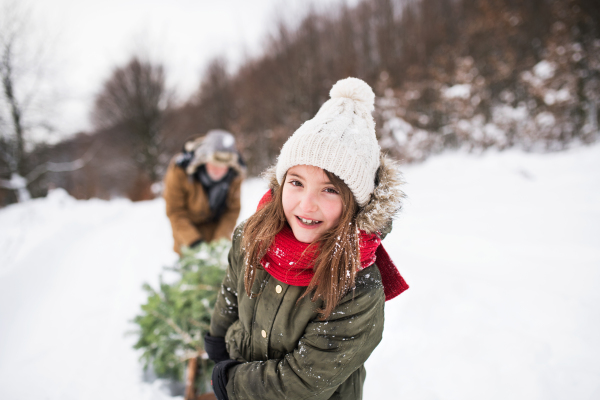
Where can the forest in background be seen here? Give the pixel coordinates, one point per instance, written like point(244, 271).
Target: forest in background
point(447, 74)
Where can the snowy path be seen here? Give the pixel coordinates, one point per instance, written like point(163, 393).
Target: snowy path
point(501, 252)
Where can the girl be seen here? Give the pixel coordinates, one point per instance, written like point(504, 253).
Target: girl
point(301, 307)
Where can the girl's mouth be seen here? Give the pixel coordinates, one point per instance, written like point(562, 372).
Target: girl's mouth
point(308, 222)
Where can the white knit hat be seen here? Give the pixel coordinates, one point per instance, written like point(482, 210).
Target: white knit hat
point(340, 139)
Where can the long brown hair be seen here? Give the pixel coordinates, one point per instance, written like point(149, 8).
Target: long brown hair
point(338, 255)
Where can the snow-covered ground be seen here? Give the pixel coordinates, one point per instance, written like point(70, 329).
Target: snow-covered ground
point(502, 252)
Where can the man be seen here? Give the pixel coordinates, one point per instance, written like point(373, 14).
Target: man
point(202, 189)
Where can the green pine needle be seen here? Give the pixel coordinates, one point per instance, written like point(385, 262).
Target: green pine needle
point(176, 316)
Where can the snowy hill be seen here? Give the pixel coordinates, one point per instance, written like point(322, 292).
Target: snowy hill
point(501, 252)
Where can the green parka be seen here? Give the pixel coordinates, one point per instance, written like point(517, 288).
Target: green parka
point(286, 350)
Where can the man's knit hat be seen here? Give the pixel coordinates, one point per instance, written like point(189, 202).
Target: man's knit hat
point(340, 139)
point(217, 147)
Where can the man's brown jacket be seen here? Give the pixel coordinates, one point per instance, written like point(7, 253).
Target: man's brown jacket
point(189, 211)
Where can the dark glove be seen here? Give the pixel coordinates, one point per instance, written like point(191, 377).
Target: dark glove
point(215, 348)
point(196, 243)
point(219, 378)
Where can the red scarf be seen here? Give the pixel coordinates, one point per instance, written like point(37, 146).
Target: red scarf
point(290, 260)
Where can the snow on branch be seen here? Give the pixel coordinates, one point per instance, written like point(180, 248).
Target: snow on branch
point(62, 166)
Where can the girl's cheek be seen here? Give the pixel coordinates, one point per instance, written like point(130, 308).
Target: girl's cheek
point(333, 210)
point(288, 221)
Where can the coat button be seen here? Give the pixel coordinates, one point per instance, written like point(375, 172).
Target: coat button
point(278, 288)
point(263, 333)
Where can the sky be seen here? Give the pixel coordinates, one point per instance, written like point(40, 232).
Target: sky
point(85, 39)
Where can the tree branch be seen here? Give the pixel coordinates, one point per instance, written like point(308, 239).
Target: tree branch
point(187, 339)
point(62, 166)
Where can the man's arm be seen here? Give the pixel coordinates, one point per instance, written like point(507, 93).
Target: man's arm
point(175, 195)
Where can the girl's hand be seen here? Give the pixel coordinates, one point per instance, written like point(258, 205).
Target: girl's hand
point(220, 378)
point(215, 348)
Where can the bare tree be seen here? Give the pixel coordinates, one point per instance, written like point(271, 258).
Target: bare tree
point(215, 96)
point(135, 99)
point(24, 108)
point(11, 118)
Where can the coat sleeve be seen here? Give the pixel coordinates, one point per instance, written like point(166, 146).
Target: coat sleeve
point(326, 355)
point(226, 306)
point(175, 194)
point(229, 218)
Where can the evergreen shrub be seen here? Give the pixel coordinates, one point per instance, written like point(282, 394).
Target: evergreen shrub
point(177, 315)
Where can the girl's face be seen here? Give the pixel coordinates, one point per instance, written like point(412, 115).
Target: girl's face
point(312, 205)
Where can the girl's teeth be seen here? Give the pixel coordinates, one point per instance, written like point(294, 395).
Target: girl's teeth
point(308, 221)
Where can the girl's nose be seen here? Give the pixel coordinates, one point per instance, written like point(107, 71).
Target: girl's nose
point(308, 203)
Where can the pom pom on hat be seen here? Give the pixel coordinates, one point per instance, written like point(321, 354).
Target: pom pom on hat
point(354, 89)
point(340, 139)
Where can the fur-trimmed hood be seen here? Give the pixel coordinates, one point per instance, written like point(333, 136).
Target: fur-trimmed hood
point(385, 202)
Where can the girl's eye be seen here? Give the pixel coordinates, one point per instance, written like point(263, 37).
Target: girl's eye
point(296, 183)
point(332, 191)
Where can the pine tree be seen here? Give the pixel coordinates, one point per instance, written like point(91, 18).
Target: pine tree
point(177, 315)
